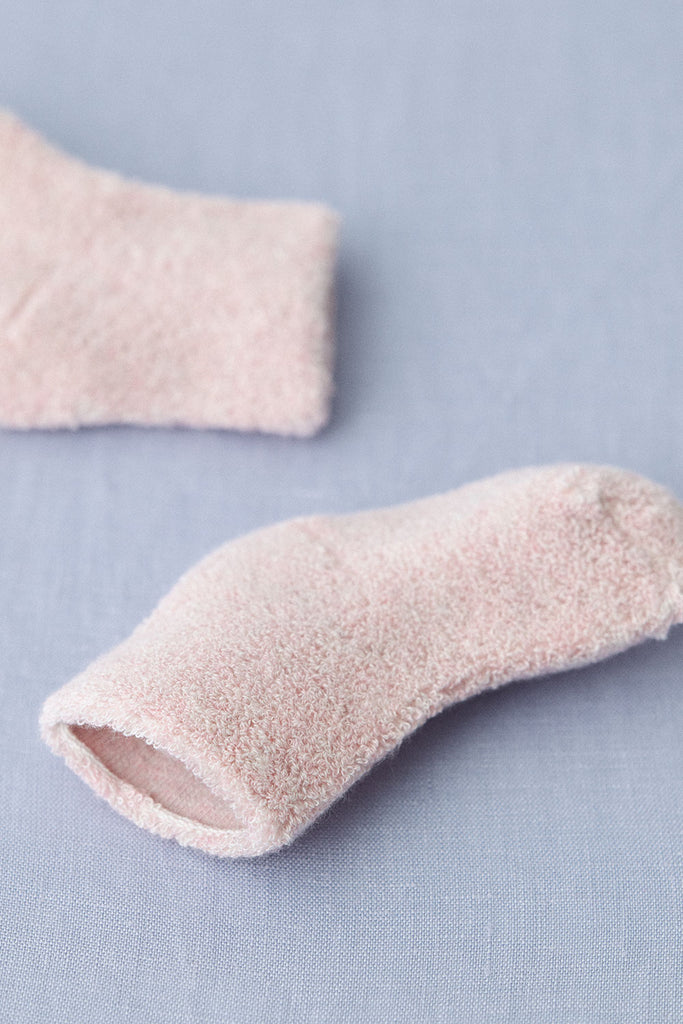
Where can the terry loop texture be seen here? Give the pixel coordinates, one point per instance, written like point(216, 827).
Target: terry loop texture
point(286, 663)
point(124, 302)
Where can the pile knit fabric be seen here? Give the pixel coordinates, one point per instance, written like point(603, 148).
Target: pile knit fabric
point(285, 664)
point(129, 303)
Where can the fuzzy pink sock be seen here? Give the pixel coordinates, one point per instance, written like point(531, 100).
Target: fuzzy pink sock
point(123, 302)
point(285, 664)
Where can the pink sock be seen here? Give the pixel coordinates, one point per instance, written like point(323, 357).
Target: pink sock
point(123, 302)
point(285, 664)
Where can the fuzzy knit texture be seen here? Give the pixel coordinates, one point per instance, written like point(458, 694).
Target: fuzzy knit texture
point(129, 303)
point(285, 664)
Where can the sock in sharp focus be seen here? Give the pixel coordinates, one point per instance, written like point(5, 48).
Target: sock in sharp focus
point(284, 665)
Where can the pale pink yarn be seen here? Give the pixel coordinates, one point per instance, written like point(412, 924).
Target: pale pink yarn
point(285, 664)
point(123, 302)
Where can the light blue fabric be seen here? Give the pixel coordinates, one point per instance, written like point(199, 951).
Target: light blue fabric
point(511, 181)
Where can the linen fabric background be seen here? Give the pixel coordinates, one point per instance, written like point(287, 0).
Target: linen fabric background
point(511, 181)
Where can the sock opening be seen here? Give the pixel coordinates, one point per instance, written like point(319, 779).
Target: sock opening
point(157, 774)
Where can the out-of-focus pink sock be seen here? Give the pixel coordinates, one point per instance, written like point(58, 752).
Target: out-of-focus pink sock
point(124, 302)
point(285, 664)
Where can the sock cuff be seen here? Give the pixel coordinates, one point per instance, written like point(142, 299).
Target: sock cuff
point(122, 302)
